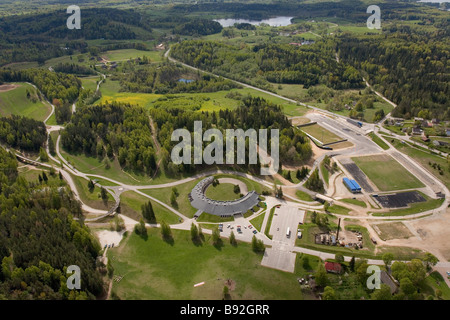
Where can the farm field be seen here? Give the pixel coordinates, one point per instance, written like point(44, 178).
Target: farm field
point(13, 100)
point(155, 269)
point(126, 54)
point(386, 173)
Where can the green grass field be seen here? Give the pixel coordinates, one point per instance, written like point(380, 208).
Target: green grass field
point(258, 221)
point(126, 54)
point(269, 222)
point(90, 82)
point(183, 204)
point(212, 101)
point(15, 102)
point(131, 203)
point(386, 173)
point(251, 185)
point(303, 196)
point(378, 141)
point(434, 282)
point(93, 198)
point(325, 173)
point(356, 202)
point(321, 133)
point(222, 192)
point(155, 269)
point(91, 165)
point(425, 158)
point(338, 210)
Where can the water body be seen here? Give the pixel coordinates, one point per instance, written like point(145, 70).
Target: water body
point(273, 22)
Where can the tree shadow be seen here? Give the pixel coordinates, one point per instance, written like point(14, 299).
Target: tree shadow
point(197, 241)
point(169, 240)
point(143, 236)
point(218, 244)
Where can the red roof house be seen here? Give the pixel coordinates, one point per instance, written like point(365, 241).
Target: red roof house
point(333, 267)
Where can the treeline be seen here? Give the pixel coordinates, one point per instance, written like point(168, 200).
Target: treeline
point(64, 87)
point(97, 23)
point(73, 68)
point(278, 63)
point(165, 78)
point(22, 133)
point(116, 131)
point(39, 239)
point(198, 27)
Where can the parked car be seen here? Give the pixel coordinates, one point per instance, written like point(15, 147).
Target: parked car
point(255, 232)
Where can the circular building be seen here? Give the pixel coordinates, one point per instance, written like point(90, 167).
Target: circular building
point(220, 208)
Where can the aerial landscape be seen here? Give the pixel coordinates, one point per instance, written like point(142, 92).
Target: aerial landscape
point(224, 150)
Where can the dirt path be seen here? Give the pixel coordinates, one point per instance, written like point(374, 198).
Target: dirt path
point(8, 87)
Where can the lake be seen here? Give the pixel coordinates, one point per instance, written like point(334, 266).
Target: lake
point(273, 22)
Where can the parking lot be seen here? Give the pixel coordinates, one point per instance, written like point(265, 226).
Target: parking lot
point(286, 217)
point(280, 256)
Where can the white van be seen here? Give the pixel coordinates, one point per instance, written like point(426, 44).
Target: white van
point(288, 233)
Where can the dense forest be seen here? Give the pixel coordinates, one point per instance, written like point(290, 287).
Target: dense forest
point(198, 27)
point(168, 78)
point(409, 69)
point(39, 239)
point(278, 63)
point(114, 130)
point(22, 133)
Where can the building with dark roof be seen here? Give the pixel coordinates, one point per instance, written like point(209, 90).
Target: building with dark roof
point(387, 279)
point(220, 208)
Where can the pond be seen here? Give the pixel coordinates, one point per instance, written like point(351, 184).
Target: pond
point(273, 22)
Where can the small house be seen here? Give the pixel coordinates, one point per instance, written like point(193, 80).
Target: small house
point(333, 267)
point(387, 280)
point(416, 131)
